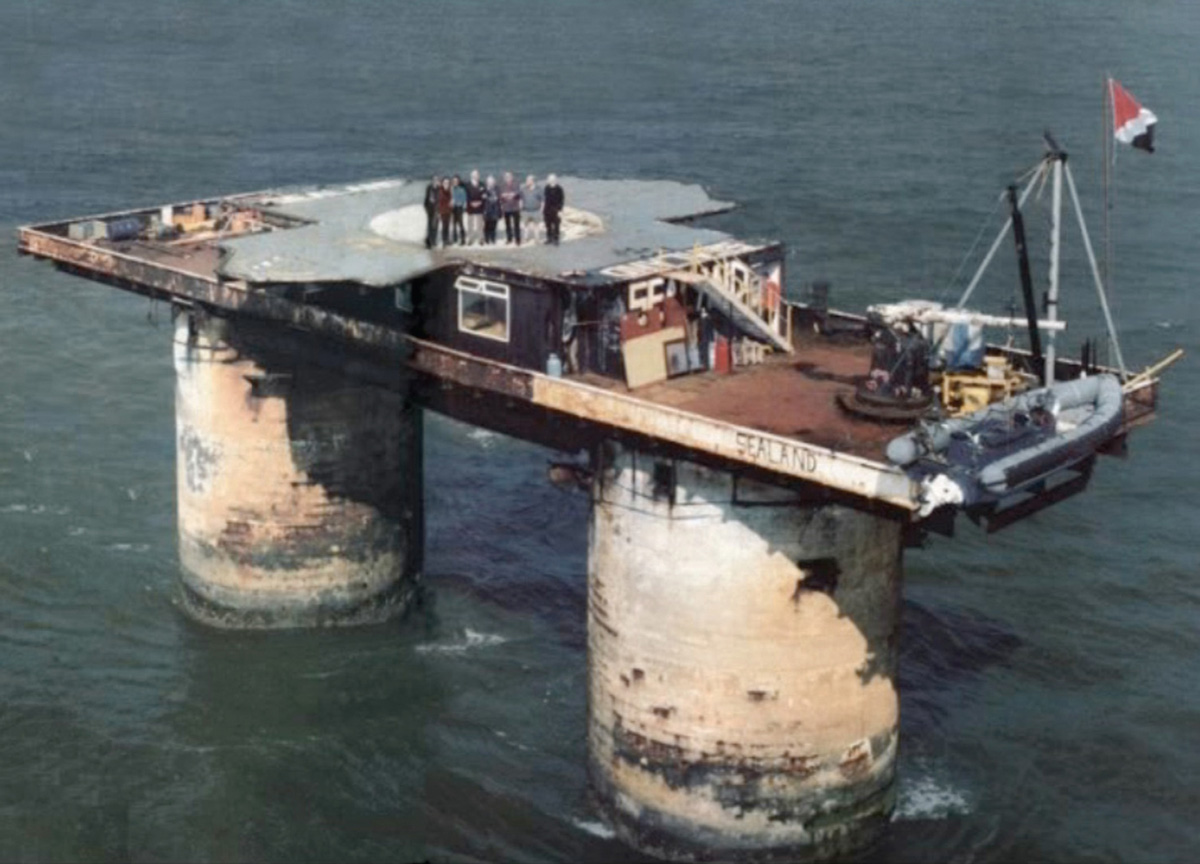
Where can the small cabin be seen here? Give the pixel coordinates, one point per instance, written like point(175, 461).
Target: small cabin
point(639, 321)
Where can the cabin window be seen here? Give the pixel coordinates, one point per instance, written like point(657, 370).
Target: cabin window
point(483, 308)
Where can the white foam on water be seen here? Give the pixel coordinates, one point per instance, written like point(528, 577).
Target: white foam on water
point(319, 676)
point(35, 509)
point(927, 797)
point(486, 439)
point(499, 733)
point(334, 191)
point(471, 639)
point(595, 828)
point(129, 547)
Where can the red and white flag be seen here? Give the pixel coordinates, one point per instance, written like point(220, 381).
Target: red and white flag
point(1132, 124)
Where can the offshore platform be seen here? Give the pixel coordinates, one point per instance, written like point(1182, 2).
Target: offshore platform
point(756, 464)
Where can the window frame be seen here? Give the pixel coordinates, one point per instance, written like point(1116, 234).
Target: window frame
point(464, 285)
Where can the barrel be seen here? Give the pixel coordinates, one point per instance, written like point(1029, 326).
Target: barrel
point(125, 228)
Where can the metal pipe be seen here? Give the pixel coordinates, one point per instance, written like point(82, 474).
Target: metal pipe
point(1052, 294)
point(953, 316)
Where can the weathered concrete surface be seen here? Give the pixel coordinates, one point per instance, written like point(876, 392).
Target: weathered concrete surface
point(361, 232)
point(742, 657)
point(300, 499)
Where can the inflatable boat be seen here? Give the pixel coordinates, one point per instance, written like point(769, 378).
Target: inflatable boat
point(1007, 447)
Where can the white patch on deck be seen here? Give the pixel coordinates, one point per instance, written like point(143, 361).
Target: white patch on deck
point(406, 225)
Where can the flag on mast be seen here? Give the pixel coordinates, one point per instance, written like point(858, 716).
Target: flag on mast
point(1132, 124)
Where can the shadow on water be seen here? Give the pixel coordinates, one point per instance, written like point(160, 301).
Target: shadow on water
point(562, 605)
point(499, 532)
point(941, 651)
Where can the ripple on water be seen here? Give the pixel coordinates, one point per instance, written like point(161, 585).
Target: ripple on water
point(469, 641)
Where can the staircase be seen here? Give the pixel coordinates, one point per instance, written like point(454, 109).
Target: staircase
point(738, 292)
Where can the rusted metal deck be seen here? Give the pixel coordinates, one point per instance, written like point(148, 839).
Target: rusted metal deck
point(791, 396)
point(715, 430)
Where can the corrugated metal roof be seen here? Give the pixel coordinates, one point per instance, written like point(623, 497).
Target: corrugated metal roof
point(373, 233)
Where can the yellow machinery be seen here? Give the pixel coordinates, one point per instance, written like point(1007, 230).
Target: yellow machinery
point(967, 391)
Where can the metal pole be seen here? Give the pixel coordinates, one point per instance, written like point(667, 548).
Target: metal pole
point(1108, 165)
point(1031, 312)
point(1087, 244)
point(1052, 294)
point(987, 259)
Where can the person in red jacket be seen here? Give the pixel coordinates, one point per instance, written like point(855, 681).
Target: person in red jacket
point(445, 207)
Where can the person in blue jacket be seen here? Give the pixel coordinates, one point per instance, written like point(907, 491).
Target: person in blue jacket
point(458, 194)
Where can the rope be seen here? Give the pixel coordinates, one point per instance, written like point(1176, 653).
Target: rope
point(971, 251)
point(1001, 199)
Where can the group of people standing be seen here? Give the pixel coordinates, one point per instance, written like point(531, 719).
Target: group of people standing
point(521, 206)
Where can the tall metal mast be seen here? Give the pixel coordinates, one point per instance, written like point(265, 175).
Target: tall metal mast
point(1059, 158)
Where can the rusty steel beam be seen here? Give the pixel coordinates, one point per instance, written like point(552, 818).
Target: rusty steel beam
point(165, 282)
point(729, 442)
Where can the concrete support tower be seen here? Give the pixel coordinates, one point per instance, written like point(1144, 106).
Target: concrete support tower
point(300, 497)
point(742, 655)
